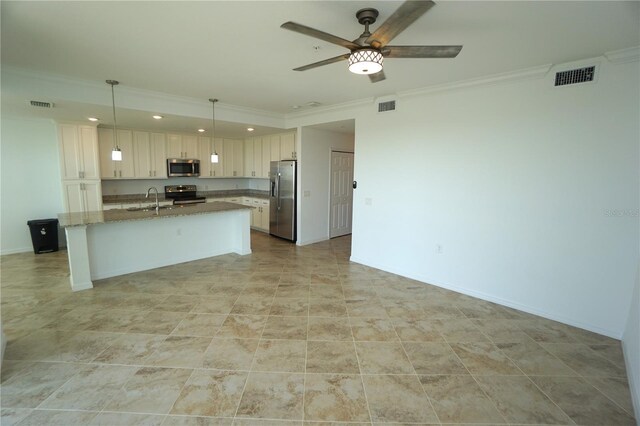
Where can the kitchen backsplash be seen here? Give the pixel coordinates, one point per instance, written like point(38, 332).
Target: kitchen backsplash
point(140, 186)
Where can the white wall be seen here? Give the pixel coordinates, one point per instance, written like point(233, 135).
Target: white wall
point(30, 173)
point(631, 345)
point(315, 179)
point(516, 182)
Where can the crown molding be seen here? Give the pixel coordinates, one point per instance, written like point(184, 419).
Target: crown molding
point(329, 108)
point(134, 96)
point(491, 80)
point(631, 54)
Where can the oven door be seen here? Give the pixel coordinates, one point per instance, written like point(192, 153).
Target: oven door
point(182, 167)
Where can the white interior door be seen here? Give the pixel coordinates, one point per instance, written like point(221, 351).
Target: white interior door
point(341, 193)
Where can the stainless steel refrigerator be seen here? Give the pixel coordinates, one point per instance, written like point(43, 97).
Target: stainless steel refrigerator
point(282, 202)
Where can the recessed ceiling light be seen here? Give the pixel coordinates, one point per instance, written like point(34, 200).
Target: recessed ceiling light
point(201, 130)
point(295, 106)
point(250, 129)
point(158, 117)
point(93, 119)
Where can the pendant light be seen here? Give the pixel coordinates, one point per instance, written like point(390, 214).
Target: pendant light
point(116, 153)
point(214, 155)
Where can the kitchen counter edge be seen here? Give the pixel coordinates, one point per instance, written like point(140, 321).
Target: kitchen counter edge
point(124, 215)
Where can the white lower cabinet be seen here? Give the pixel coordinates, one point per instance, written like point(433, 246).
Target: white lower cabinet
point(82, 196)
point(259, 213)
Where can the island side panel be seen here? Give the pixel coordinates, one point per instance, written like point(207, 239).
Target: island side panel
point(118, 248)
point(78, 253)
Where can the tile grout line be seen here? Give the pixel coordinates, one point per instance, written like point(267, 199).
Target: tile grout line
point(253, 360)
point(355, 348)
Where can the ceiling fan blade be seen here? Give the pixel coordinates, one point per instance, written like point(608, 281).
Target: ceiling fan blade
point(379, 76)
point(325, 62)
point(421, 51)
point(312, 32)
point(404, 16)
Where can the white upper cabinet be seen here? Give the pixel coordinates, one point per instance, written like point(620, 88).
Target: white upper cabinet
point(266, 157)
point(141, 150)
point(253, 157)
point(79, 152)
point(207, 168)
point(274, 143)
point(233, 159)
point(158, 154)
point(150, 155)
point(288, 146)
point(110, 169)
point(182, 146)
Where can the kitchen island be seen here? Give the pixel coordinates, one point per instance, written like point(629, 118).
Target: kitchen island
point(103, 244)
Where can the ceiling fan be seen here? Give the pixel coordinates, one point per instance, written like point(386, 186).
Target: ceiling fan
point(367, 51)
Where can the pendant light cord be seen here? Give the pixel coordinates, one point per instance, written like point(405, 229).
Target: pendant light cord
point(113, 103)
point(213, 119)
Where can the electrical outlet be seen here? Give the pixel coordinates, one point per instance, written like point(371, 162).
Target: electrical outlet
point(179, 231)
point(307, 193)
point(368, 201)
point(439, 249)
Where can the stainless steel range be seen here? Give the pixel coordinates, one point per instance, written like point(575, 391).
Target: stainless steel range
point(182, 194)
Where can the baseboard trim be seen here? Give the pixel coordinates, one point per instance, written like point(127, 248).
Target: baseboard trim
point(490, 298)
point(316, 240)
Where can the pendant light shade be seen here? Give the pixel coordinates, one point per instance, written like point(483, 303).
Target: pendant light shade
point(365, 61)
point(116, 153)
point(215, 158)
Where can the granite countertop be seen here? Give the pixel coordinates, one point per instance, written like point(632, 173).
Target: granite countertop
point(124, 215)
point(140, 198)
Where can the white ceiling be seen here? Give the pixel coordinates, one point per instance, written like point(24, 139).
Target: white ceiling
point(235, 50)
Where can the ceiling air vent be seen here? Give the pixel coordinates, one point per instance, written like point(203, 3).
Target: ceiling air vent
point(41, 104)
point(387, 106)
point(580, 75)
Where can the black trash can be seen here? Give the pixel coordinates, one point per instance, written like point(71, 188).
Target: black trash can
point(44, 235)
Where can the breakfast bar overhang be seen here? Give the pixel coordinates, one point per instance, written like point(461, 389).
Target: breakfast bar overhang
point(109, 243)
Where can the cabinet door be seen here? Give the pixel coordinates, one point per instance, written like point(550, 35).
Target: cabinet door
point(218, 168)
point(105, 145)
point(264, 204)
point(126, 166)
point(227, 160)
point(266, 157)
point(205, 149)
point(69, 145)
point(249, 170)
point(256, 220)
point(257, 157)
point(158, 154)
point(288, 146)
point(238, 158)
point(92, 194)
point(88, 151)
point(190, 146)
point(274, 141)
point(174, 146)
point(142, 154)
point(73, 197)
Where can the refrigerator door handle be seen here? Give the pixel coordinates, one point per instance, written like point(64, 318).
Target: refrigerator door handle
point(278, 189)
point(273, 188)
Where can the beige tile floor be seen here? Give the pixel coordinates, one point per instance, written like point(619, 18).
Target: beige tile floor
point(288, 336)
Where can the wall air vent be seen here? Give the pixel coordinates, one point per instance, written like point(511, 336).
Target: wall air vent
point(41, 104)
point(580, 75)
point(387, 106)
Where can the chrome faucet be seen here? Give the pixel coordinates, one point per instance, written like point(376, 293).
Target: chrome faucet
point(157, 204)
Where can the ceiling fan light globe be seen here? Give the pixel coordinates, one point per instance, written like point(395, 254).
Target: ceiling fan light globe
point(365, 61)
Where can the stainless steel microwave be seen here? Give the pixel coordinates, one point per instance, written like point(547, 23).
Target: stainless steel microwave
point(183, 167)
